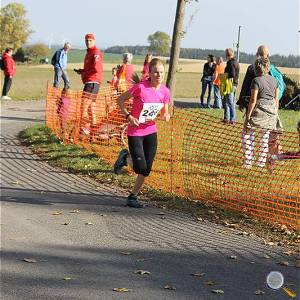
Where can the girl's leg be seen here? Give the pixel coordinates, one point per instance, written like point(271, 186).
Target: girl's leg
point(248, 147)
point(138, 184)
point(263, 149)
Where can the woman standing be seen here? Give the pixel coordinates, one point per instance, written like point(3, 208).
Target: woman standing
point(207, 77)
point(149, 98)
point(262, 113)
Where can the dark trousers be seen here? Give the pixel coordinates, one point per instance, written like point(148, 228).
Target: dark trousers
point(142, 151)
point(6, 85)
point(205, 84)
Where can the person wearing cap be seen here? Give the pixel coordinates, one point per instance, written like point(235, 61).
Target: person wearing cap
point(125, 72)
point(91, 75)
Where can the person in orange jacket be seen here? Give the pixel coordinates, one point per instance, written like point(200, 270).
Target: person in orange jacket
point(9, 71)
point(91, 75)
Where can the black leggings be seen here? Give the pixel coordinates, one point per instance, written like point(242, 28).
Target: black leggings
point(142, 150)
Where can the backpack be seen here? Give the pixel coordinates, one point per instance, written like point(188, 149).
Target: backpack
point(55, 57)
point(277, 74)
point(2, 66)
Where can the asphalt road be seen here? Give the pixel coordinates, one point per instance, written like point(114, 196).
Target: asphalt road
point(84, 242)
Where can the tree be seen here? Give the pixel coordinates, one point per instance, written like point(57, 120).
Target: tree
point(159, 43)
point(178, 34)
point(37, 51)
point(14, 27)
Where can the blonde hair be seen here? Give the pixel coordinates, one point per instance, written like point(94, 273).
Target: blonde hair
point(229, 52)
point(155, 62)
point(262, 66)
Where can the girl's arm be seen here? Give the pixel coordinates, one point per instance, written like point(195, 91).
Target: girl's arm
point(164, 114)
point(252, 103)
point(121, 102)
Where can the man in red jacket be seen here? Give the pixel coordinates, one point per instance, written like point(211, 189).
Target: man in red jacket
point(9, 72)
point(91, 75)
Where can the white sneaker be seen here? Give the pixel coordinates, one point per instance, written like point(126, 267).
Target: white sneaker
point(5, 98)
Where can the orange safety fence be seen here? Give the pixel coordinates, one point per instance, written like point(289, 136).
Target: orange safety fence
point(198, 157)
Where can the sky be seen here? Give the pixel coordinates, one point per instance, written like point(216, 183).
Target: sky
point(210, 24)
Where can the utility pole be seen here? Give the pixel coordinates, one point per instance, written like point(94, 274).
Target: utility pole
point(238, 44)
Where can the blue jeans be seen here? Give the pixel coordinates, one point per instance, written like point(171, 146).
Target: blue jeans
point(218, 98)
point(58, 75)
point(206, 83)
point(229, 106)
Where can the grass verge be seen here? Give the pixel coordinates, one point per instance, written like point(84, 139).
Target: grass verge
point(80, 161)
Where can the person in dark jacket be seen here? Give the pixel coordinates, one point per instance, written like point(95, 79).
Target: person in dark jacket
point(207, 80)
point(9, 72)
point(232, 69)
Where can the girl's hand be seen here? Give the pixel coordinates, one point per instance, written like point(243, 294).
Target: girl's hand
point(133, 121)
point(165, 117)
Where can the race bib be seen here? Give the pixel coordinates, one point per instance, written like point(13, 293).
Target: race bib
point(150, 111)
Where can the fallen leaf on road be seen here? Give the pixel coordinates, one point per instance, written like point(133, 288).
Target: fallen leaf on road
point(126, 252)
point(121, 290)
point(233, 257)
point(218, 291)
point(142, 272)
point(89, 223)
point(15, 182)
point(224, 232)
point(57, 213)
point(210, 282)
point(259, 292)
point(74, 211)
point(30, 260)
point(284, 263)
point(267, 256)
point(197, 274)
point(169, 287)
point(143, 259)
point(67, 278)
point(289, 292)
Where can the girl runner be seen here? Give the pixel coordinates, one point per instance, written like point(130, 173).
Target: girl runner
point(149, 98)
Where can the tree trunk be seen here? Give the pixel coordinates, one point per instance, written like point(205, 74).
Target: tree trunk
point(175, 48)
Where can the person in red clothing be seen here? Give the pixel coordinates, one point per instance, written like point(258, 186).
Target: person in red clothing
point(91, 75)
point(9, 72)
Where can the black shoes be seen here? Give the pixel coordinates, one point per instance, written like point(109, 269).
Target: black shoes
point(132, 201)
point(121, 161)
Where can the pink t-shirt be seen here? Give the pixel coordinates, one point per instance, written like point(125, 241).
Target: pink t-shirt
point(144, 93)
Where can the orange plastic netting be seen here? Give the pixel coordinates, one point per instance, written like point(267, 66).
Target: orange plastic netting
point(198, 156)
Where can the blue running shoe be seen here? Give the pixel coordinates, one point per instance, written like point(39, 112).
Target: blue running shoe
point(121, 161)
point(132, 201)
